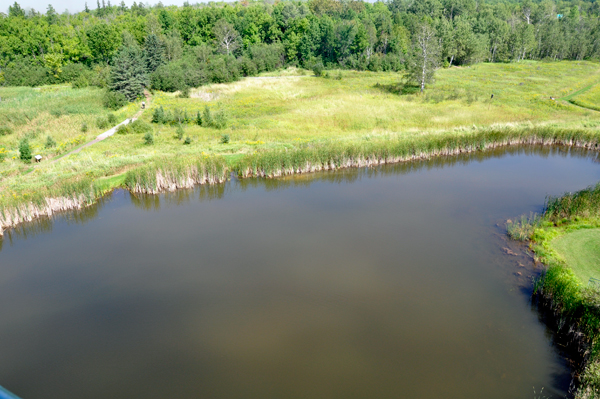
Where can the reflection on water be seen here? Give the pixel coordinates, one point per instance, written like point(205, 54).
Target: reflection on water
point(375, 282)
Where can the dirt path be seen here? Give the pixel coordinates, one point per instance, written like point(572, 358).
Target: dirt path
point(106, 134)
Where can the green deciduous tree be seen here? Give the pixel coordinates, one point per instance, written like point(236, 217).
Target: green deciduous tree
point(426, 56)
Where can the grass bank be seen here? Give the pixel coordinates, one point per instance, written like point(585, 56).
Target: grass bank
point(566, 238)
point(286, 122)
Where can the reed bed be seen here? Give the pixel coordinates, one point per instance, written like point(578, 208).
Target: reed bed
point(385, 150)
point(177, 173)
point(583, 203)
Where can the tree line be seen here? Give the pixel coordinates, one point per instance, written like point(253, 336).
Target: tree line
point(171, 48)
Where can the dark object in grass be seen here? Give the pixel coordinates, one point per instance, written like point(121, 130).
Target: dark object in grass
point(149, 138)
point(179, 132)
point(50, 142)
point(225, 139)
point(187, 141)
point(25, 151)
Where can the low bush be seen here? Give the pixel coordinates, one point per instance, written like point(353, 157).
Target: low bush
point(149, 138)
point(225, 139)
point(112, 119)
point(179, 132)
point(101, 122)
point(84, 127)
point(5, 130)
point(25, 151)
point(80, 83)
point(124, 129)
point(50, 143)
point(220, 120)
point(187, 141)
point(114, 100)
point(139, 126)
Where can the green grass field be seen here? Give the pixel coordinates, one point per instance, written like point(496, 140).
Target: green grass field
point(284, 110)
point(580, 250)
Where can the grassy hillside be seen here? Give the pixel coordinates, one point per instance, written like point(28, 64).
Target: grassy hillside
point(284, 110)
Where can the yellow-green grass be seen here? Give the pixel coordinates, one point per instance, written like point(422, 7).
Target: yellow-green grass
point(580, 250)
point(589, 98)
point(289, 109)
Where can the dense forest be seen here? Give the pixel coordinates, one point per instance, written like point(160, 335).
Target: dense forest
point(170, 48)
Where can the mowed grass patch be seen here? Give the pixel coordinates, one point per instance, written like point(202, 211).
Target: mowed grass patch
point(580, 250)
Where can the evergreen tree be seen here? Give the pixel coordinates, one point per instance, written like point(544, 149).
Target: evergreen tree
point(86, 9)
point(154, 52)
point(128, 74)
point(25, 150)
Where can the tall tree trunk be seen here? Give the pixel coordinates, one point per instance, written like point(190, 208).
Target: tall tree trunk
point(451, 59)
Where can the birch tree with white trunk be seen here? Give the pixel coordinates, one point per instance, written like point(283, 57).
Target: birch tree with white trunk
point(426, 56)
point(227, 38)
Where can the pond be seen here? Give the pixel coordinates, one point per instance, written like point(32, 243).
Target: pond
point(385, 282)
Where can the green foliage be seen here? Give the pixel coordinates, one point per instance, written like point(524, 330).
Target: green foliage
point(154, 52)
point(112, 119)
point(84, 127)
point(318, 68)
point(149, 138)
point(219, 121)
point(184, 93)
point(102, 122)
point(114, 100)
point(207, 119)
point(5, 130)
point(225, 139)
point(187, 141)
point(523, 229)
point(25, 151)
point(139, 126)
point(3, 154)
point(80, 82)
point(198, 119)
point(50, 143)
point(581, 203)
point(128, 74)
point(179, 132)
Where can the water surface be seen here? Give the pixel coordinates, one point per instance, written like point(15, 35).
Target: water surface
point(368, 283)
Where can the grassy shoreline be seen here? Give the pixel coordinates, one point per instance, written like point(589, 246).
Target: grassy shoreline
point(569, 222)
point(172, 173)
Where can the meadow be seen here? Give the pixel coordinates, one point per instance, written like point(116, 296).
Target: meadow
point(290, 110)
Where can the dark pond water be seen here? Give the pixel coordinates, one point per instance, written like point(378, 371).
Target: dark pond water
point(388, 282)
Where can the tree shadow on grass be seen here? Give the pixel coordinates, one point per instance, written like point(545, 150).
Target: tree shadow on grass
point(400, 89)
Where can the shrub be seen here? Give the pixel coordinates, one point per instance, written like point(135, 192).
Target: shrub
point(339, 76)
point(84, 127)
point(102, 122)
point(198, 119)
point(80, 83)
point(158, 115)
point(57, 113)
point(5, 130)
point(207, 119)
point(50, 142)
point(149, 138)
point(114, 100)
point(112, 119)
point(225, 139)
point(220, 120)
point(318, 68)
point(179, 132)
point(187, 141)
point(139, 126)
point(124, 129)
point(184, 93)
point(25, 151)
